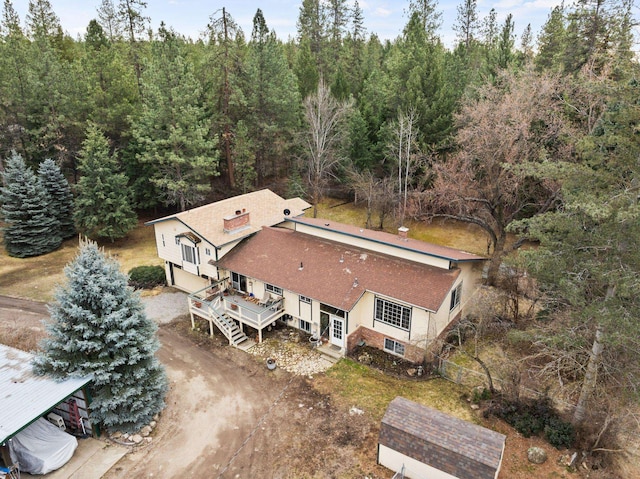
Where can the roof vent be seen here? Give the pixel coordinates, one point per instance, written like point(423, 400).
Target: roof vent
point(287, 211)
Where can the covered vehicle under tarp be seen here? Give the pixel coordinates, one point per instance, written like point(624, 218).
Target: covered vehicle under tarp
point(42, 447)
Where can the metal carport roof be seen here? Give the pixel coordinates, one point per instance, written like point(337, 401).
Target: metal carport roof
point(24, 396)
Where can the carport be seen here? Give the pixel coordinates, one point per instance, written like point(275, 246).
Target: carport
point(26, 397)
point(420, 442)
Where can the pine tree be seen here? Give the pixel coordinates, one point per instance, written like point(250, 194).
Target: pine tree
point(99, 328)
point(173, 128)
point(30, 228)
point(61, 206)
point(103, 203)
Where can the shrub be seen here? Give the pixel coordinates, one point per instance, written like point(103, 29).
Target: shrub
point(559, 433)
point(534, 418)
point(146, 277)
point(480, 395)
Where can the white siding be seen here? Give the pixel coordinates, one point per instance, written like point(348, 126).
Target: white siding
point(390, 250)
point(363, 315)
point(170, 251)
point(413, 469)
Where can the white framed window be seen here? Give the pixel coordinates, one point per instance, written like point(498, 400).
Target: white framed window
point(273, 289)
point(393, 314)
point(455, 297)
point(304, 299)
point(177, 239)
point(207, 251)
point(305, 326)
point(393, 346)
point(163, 240)
point(189, 254)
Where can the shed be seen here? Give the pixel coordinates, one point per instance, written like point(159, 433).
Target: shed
point(427, 443)
point(25, 396)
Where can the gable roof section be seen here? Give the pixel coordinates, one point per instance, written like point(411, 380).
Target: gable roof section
point(25, 396)
point(276, 255)
point(397, 241)
point(458, 447)
point(265, 208)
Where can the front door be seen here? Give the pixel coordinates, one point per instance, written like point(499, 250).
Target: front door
point(336, 331)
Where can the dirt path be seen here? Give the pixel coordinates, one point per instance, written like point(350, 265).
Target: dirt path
point(211, 409)
point(227, 416)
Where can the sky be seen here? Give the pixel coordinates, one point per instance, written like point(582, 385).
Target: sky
point(386, 18)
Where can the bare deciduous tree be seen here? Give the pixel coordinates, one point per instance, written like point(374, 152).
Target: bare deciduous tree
point(324, 116)
point(502, 128)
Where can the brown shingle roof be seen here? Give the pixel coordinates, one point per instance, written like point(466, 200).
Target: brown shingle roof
point(265, 209)
point(390, 239)
point(274, 255)
point(449, 444)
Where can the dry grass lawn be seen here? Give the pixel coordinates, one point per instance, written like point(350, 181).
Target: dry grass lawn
point(462, 236)
point(36, 278)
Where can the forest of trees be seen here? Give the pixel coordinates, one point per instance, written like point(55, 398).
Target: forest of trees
point(537, 137)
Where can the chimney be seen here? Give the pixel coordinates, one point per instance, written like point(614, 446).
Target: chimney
point(402, 232)
point(237, 221)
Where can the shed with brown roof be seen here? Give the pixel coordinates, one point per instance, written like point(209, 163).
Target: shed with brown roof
point(427, 443)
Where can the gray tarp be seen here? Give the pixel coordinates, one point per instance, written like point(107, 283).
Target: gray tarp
point(42, 447)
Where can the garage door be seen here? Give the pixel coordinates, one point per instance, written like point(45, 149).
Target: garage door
point(186, 281)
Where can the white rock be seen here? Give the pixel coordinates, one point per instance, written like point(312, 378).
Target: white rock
point(136, 438)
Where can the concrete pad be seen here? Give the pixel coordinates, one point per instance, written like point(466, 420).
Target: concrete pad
point(92, 459)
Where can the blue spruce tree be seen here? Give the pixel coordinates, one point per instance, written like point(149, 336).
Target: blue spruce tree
point(30, 227)
point(61, 206)
point(99, 328)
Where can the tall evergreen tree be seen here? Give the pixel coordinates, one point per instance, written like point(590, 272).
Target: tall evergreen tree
point(31, 228)
point(99, 328)
point(588, 264)
point(430, 17)
point(173, 128)
point(226, 42)
point(57, 186)
point(467, 22)
point(14, 73)
point(552, 41)
point(103, 207)
point(272, 100)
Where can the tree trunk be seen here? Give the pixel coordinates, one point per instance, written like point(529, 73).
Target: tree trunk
point(496, 259)
point(590, 377)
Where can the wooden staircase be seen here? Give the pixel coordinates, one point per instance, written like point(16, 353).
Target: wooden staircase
point(225, 324)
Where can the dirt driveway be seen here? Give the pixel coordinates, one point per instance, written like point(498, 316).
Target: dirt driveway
point(227, 416)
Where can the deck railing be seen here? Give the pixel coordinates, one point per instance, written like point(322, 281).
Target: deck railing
point(237, 306)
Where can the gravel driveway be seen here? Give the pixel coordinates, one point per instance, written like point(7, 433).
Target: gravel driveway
point(167, 306)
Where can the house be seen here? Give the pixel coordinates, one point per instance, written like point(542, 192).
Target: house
point(253, 259)
point(422, 443)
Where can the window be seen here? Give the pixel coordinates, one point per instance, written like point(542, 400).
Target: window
point(304, 299)
point(207, 251)
point(177, 239)
point(393, 346)
point(273, 289)
point(455, 297)
point(305, 325)
point(189, 254)
point(163, 240)
point(393, 314)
